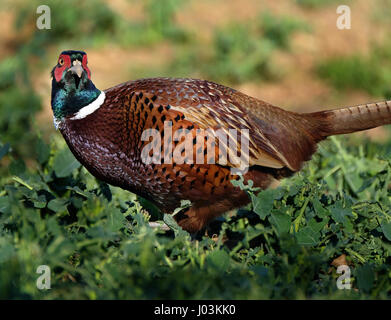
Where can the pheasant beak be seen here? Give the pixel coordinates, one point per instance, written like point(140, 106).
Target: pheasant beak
point(77, 68)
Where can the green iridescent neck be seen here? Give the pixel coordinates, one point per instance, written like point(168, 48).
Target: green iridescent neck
point(68, 102)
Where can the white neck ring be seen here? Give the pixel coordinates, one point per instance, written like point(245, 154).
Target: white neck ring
point(90, 108)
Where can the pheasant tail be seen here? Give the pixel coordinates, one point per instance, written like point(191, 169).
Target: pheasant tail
point(350, 119)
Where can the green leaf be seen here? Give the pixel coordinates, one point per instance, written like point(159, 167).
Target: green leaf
point(58, 205)
point(318, 226)
point(281, 221)
point(77, 190)
point(64, 163)
point(386, 228)
point(115, 219)
point(320, 211)
point(308, 236)
point(339, 213)
point(219, 259)
point(263, 202)
point(43, 151)
point(354, 180)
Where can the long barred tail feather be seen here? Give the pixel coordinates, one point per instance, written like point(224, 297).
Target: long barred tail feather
point(351, 119)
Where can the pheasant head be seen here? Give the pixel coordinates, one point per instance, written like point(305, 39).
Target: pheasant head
point(72, 88)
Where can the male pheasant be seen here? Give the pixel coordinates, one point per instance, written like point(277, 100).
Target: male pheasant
point(106, 131)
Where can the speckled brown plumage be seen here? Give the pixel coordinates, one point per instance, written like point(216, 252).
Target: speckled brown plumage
point(105, 133)
point(108, 143)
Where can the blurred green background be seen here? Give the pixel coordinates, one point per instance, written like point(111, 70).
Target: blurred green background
point(289, 53)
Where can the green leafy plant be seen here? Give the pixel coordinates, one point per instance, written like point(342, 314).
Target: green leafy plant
point(98, 243)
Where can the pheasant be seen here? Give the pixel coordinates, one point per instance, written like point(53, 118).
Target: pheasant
point(110, 133)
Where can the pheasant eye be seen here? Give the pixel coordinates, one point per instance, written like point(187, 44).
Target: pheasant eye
point(61, 61)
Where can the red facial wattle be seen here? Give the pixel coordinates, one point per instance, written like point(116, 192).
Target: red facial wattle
point(84, 64)
point(61, 68)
